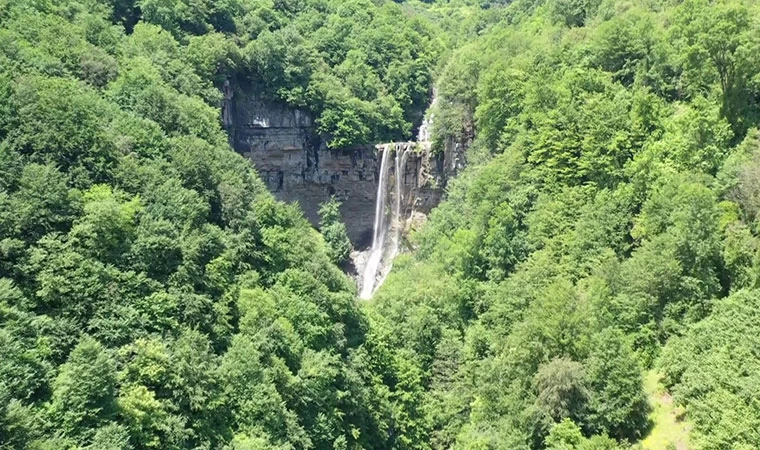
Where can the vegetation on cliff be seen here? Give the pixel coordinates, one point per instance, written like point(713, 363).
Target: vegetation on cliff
point(154, 295)
point(363, 68)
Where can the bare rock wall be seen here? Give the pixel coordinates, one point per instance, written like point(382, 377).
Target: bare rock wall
point(294, 162)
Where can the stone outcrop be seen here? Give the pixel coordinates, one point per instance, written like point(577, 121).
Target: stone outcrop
point(422, 177)
point(293, 160)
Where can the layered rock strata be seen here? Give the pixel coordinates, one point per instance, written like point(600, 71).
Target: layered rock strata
point(294, 162)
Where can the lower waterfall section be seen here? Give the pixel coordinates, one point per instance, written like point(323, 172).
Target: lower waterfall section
point(378, 232)
point(387, 230)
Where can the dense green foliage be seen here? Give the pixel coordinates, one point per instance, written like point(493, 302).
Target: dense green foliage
point(154, 295)
point(607, 225)
point(334, 231)
point(363, 68)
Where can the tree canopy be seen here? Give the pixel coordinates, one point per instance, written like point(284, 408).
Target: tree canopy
point(154, 295)
point(604, 229)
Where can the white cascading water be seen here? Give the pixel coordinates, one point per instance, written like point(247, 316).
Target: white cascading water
point(378, 235)
point(396, 225)
point(384, 247)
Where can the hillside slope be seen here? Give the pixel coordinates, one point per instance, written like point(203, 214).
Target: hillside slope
point(606, 226)
point(153, 295)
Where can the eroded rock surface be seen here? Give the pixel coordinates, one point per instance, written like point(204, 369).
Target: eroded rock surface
point(296, 165)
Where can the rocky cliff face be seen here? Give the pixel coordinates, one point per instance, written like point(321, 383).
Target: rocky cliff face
point(292, 159)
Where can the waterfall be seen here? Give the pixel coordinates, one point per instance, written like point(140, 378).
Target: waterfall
point(423, 134)
point(378, 234)
point(397, 217)
point(384, 248)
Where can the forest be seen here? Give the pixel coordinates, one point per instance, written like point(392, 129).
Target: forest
point(605, 233)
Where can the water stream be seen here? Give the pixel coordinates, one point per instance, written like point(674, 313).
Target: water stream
point(386, 233)
point(378, 231)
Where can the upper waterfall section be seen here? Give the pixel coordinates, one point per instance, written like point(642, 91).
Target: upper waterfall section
point(293, 160)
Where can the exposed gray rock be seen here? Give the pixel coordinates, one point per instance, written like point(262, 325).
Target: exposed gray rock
point(292, 159)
